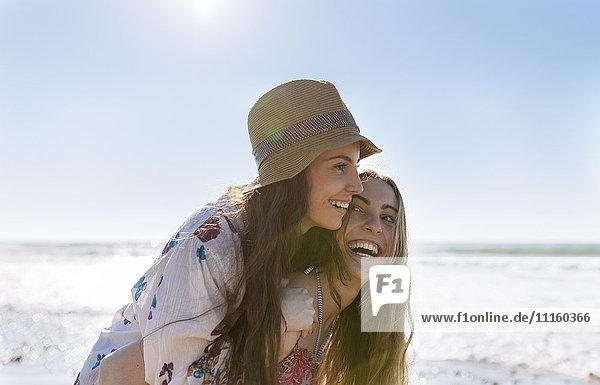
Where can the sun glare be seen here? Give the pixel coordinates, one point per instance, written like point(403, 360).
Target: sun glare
point(204, 9)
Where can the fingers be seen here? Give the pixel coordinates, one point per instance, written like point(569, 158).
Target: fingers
point(284, 282)
point(306, 332)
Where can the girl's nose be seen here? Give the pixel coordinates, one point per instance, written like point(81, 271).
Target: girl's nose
point(354, 185)
point(373, 225)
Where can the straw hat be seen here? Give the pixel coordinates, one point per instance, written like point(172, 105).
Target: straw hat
point(293, 123)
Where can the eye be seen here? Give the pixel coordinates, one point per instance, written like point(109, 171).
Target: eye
point(355, 209)
point(389, 219)
point(341, 167)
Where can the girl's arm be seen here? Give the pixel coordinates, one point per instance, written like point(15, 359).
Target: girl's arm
point(125, 366)
point(288, 341)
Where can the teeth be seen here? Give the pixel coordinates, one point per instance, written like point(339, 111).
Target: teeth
point(364, 245)
point(342, 205)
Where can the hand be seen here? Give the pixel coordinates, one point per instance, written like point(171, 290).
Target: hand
point(297, 309)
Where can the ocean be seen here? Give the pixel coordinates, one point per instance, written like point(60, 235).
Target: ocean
point(56, 297)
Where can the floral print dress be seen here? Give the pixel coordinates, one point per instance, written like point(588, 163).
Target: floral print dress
point(297, 368)
point(179, 302)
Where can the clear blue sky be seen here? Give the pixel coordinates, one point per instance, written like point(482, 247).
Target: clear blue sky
point(118, 118)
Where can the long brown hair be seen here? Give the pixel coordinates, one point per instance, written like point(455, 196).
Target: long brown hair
point(273, 247)
point(359, 358)
point(270, 239)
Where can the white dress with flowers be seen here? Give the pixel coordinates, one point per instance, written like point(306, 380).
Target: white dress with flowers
point(179, 302)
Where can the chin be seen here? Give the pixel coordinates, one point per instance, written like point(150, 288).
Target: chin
point(329, 223)
point(333, 225)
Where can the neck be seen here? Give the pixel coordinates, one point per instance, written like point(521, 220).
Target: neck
point(305, 225)
point(347, 291)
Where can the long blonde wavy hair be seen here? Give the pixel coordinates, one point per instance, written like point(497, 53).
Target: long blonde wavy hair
point(354, 357)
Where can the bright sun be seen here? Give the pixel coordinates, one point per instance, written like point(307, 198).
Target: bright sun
point(203, 8)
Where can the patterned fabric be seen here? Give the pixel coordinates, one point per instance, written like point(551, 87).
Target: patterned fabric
point(297, 368)
point(210, 368)
point(178, 303)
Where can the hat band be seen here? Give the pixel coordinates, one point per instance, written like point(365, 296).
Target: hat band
point(302, 130)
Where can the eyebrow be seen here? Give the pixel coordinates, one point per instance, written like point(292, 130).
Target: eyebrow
point(368, 202)
point(344, 157)
point(386, 206)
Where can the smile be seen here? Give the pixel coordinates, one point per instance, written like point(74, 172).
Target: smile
point(339, 204)
point(364, 248)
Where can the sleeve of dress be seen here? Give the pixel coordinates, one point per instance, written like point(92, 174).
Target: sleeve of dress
point(122, 331)
point(182, 298)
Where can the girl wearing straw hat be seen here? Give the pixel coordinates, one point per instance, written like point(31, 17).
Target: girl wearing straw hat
point(227, 261)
